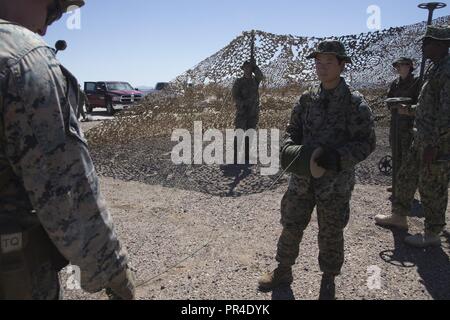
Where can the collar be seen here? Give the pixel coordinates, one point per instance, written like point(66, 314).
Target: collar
point(443, 61)
point(339, 91)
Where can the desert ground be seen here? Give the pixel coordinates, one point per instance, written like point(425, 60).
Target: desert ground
point(201, 232)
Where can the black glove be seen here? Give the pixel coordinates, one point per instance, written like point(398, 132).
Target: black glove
point(330, 160)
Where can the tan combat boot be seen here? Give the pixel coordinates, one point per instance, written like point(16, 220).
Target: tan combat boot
point(392, 221)
point(428, 239)
point(282, 276)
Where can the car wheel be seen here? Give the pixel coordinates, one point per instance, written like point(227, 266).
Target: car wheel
point(110, 109)
point(89, 109)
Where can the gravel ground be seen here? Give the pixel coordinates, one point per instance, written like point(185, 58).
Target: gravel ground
point(191, 245)
point(199, 237)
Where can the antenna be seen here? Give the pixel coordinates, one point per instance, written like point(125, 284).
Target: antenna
point(431, 6)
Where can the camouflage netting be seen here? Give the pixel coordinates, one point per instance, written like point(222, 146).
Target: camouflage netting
point(282, 58)
point(136, 145)
point(203, 94)
point(160, 114)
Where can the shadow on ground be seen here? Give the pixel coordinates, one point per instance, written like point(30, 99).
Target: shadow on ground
point(284, 293)
point(150, 162)
point(433, 264)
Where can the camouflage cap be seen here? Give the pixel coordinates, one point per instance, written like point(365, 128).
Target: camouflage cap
point(403, 60)
point(331, 47)
point(440, 33)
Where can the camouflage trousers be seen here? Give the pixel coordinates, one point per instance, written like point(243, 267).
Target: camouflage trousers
point(432, 185)
point(247, 117)
point(332, 197)
point(81, 112)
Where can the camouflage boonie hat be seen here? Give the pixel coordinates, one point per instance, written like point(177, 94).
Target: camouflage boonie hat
point(403, 60)
point(331, 47)
point(440, 33)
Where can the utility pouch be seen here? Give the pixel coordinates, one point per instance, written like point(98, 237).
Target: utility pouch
point(21, 254)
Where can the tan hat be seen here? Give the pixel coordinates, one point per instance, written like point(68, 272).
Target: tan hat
point(317, 171)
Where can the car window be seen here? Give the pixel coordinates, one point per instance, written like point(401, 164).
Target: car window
point(119, 86)
point(89, 86)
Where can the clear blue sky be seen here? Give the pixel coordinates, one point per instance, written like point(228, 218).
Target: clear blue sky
point(147, 41)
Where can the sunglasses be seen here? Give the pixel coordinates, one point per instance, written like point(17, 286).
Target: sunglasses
point(54, 12)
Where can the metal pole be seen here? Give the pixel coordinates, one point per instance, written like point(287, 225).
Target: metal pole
point(395, 155)
point(431, 6)
point(252, 46)
point(393, 103)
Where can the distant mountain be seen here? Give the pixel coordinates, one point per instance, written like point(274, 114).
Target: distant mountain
point(283, 57)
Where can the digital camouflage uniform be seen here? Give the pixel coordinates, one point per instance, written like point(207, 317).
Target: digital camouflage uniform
point(48, 177)
point(83, 100)
point(432, 125)
point(246, 96)
point(407, 88)
point(339, 119)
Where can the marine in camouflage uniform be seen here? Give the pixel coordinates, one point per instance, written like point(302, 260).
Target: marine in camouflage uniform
point(246, 96)
point(83, 100)
point(340, 121)
point(408, 87)
point(49, 190)
point(427, 165)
